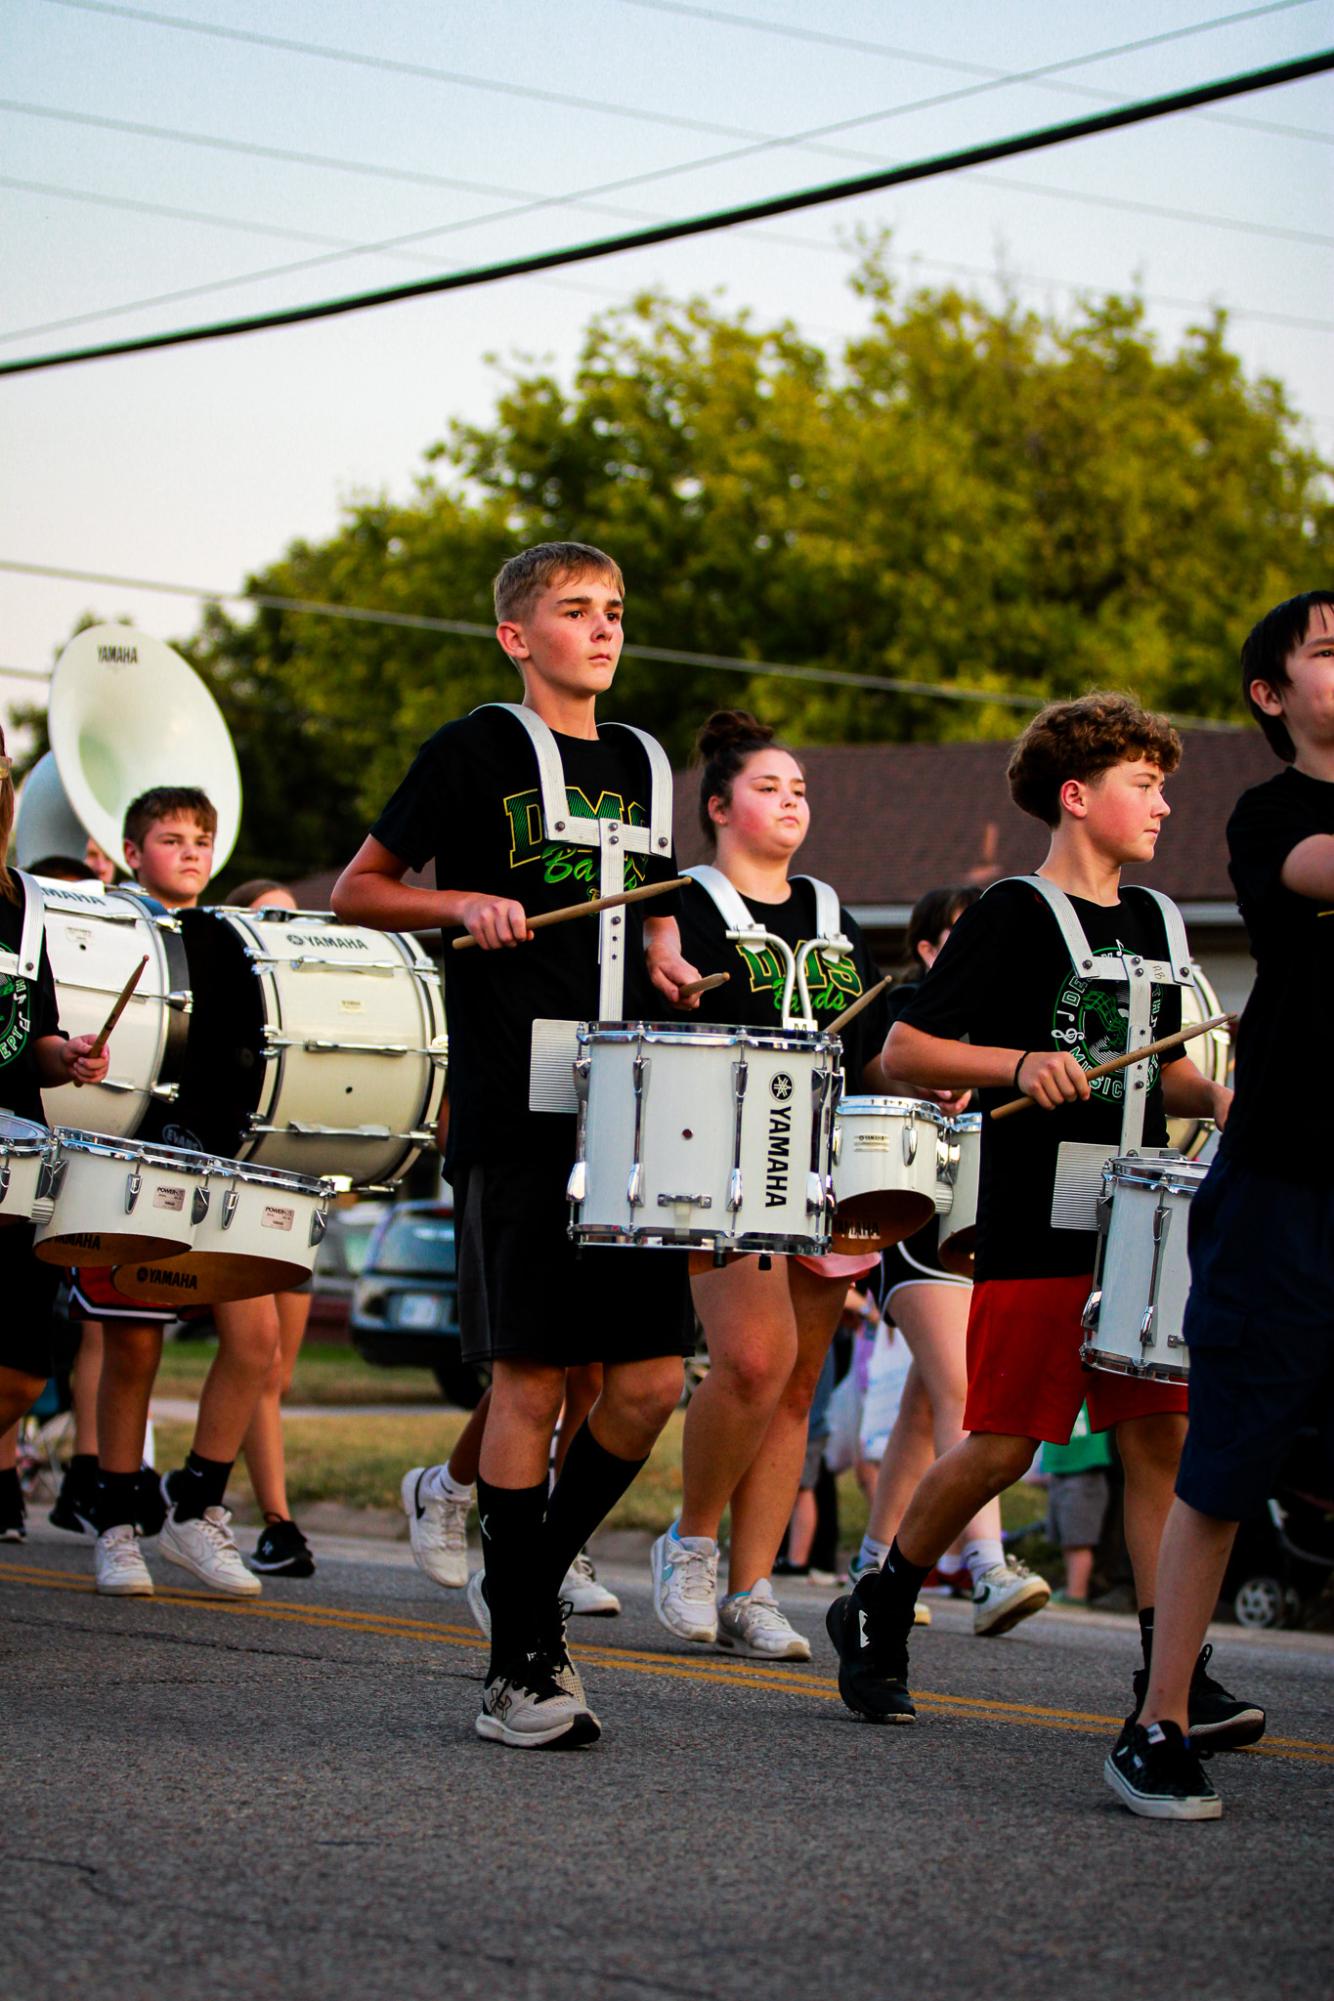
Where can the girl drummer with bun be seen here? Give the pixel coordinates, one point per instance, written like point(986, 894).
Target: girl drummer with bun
point(768, 1330)
point(930, 1308)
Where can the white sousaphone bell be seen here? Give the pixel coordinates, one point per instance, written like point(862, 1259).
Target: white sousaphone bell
point(125, 714)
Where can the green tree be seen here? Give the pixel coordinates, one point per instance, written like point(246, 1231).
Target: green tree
point(969, 494)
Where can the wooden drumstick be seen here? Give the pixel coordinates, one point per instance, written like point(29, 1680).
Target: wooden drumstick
point(1131, 1056)
point(862, 1000)
point(103, 1035)
point(572, 910)
point(704, 986)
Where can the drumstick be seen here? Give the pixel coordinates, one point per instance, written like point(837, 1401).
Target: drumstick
point(863, 1000)
point(103, 1035)
point(570, 910)
point(1131, 1056)
point(704, 986)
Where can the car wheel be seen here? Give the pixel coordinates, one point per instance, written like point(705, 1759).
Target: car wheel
point(462, 1383)
point(1260, 1602)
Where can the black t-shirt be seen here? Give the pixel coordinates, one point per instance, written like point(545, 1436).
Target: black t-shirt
point(472, 803)
point(1292, 940)
point(27, 1012)
point(1004, 980)
point(754, 993)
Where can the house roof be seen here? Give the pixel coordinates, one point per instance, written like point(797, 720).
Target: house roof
point(893, 820)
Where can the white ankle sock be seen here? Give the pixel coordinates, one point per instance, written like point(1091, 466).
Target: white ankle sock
point(950, 1565)
point(982, 1555)
point(441, 1485)
point(872, 1551)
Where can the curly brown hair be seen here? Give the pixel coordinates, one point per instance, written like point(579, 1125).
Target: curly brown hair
point(1082, 739)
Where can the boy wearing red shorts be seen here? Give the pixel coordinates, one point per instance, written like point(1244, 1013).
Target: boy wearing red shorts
point(1046, 979)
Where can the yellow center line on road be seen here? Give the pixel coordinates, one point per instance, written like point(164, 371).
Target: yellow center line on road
point(631, 1660)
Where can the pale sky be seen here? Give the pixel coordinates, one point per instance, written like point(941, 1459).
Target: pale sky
point(193, 466)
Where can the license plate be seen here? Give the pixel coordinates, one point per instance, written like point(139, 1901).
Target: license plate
point(419, 1309)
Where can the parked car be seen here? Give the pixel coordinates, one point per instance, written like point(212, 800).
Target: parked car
point(405, 1305)
point(338, 1264)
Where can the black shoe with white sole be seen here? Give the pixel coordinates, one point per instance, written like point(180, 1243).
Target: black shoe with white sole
point(282, 1551)
point(529, 1708)
point(1157, 1773)
point(1219, 1721)
point(872, 1661)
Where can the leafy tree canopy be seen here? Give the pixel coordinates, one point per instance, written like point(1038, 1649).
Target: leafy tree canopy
point(970, 494)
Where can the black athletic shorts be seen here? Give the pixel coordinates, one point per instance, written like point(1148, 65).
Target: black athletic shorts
point(526, 1293)
point(27, 1294)
point(915, 1261)
point(1260, 1327)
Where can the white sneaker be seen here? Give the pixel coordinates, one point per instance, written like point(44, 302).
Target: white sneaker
point(685, 1586)
point(118, 1568)
point(207, 1548)
point(437, 1530)
point(752, 1622)
point(531, 1709)
point(1004, 1595)
point(582, 1592)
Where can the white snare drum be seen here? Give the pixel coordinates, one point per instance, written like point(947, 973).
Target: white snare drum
point(115, 1200)
point(1212, 1054)
point(713, 1137)
point(316, 1047)
point(24, 1151)
point(887, 1163)
point(94, 940)
point(958, 1218)
point(258, 1233)
point(1135, 1312)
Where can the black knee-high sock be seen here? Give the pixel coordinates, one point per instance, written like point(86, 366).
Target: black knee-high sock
point(199, 1484)
point(897, 1582)
point(520, 1599)
point(591, 1482)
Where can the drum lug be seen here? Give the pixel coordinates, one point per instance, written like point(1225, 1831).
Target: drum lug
point(50, 1179)
point(133, 1186)
point(319, 1224)
point(685, 1201)
point(909, 1143)
point(229, 1202)
point(815, 1194)
point(4, 1180)
point(166, 1094)
point(634, 1191)
point(735, 1190)
point(1088, 1319)
point(199, 1205)
point(181, 1002)
point(576, 1188)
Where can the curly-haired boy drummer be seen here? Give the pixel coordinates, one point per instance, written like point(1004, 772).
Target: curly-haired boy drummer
point(476, 804)
point(1043, 980)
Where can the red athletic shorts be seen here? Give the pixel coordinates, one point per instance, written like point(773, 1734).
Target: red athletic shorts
point(1025, 1378)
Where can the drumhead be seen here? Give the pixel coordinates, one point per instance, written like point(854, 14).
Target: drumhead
point(22, 1135)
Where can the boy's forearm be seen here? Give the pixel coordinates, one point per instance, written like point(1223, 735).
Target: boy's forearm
point(364, 897)
point(1188, 1093)
point(933, 1062)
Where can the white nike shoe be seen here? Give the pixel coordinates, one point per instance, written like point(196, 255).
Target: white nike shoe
point(118, 1568)
point(437, 1530)
point(582, 1592)
point(752, 1622)
point(207, 1548)
point(685, 1586)
point(1004, 1595)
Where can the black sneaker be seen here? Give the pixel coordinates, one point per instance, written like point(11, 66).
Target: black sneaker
point(1156, 1772)
point(282, 1551)
point(13, 1512)
point(150, 1507)
point(75, 1504)
point(872, 1663)
point(1218, 1721)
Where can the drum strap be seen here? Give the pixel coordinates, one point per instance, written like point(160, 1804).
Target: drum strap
point(612, 838)
point(1123, 969)
point(30, 941)
point(737, 916)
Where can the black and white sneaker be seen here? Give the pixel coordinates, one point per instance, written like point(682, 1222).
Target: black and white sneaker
point(1156, 1772)
point(1219, 1721)
point(282, 1551)
point(75, 1505)
point(872, 1662)
point(529, 1709)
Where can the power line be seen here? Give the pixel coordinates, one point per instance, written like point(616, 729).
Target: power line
point(824, 245)
point(974, 156)
point(582, 197)
point(1130, 207)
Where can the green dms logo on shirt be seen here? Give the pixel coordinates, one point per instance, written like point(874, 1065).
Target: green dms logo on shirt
point(1092, 1022)
point(834, 983)
point(15, 1017)
point(560, 861)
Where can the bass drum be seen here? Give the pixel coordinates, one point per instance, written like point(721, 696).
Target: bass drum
point(317, 1048)
point(1212, 1053)
point(94, 940)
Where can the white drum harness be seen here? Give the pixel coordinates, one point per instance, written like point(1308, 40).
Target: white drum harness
point(742, 929)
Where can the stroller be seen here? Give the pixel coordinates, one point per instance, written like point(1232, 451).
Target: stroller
point(1283, 1559)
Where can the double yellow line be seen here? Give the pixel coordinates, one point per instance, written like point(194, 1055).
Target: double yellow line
point(712, 1669)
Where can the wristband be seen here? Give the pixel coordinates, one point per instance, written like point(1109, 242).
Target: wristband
point(1019, 1066)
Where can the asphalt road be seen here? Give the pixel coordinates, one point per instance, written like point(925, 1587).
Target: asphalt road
point(202, 1799)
